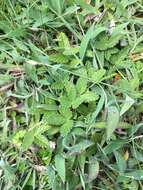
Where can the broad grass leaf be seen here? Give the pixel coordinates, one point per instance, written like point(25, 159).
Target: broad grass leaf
point(127, 105)
point(112, 121)
point(137, 175)
point(134, 129)
point(91, 33)
point(5, 26)
point(27, 178)
point(8, 172)
point(114, 145)
point(89, 8)
point(56, 5)
point(66, 127)
point(41, 21)
point(71, 9)
point(98, 107)
point(121, 163)
point(60, 166)
point(51, 176)
point(80, 147)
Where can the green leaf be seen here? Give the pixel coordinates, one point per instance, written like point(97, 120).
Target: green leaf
point(91, 33)
point(8, 171)
point(114, 145)
point(41, 140)
point(137, 175)
point(80, 147)
point(127, 105)
point(54, 118)
point(81, 85)
point(86, 97)
point(56, 5)
point(58, 58)
point(28, 139)
point(112, 121)
point(71, 90)
point(4, 79)
point(98, 108)
point(121, 163)
point(93, 170)
point(66, 127)
point(96, 76)
point(103, 42)
point(31, 72)
point(71, 9)
point(86, 6)
point(60, 166)
point(63, 41)
point(71, 51)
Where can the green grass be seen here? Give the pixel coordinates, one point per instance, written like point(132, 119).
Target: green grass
point(71, 94)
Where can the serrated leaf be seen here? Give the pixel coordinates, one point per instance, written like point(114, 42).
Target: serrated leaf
point(65, 104)
point(54, 118)
point(112, 121)
point(58, 58)
point(87, 97)
point(71, 51)
point(41, 140)
point(127, 105)
point(81, 85)
point(63, 41)
point(60, 166)
point(28, 139)
point(103, 42)
point(66, 127)
point(71, 90)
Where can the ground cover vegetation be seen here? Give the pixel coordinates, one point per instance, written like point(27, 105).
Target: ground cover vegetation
point(71, 94)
